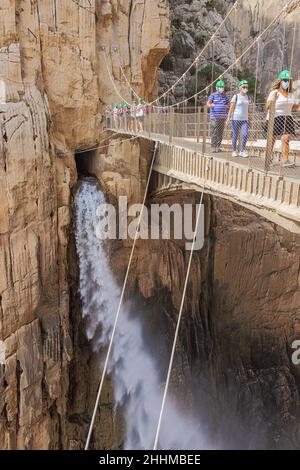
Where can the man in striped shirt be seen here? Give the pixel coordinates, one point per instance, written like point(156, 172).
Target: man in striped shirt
point(218, 104)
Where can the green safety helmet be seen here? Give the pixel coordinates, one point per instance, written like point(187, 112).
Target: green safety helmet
point(285, 75)
point(243, 82)
point(220, 83)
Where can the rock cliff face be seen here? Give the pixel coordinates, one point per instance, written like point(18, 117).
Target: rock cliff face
point(54, 82)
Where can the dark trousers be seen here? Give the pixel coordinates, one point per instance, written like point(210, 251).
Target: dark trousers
point(217, 131)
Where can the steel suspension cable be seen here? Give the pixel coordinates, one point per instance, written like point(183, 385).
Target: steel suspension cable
point(196, 86)
point(213, 65)
point(284, 50)
point(108, 145)
point(126, 79)
point(254, 111)
point(112, 80)
point(234, 42)
point(293, 47)
point(87, 149)
point(196, 102)
point(256, 71)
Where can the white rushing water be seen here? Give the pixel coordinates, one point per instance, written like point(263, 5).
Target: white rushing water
point(136, 384)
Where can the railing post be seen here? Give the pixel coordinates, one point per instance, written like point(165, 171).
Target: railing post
point(270, 132)
point(204, 132)
point(171, 130)
point(150, 122)
point(198, 124)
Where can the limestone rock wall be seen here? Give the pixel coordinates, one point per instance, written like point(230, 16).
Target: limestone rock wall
point(53, 84)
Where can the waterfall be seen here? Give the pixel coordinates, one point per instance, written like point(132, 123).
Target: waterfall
point(137, 388)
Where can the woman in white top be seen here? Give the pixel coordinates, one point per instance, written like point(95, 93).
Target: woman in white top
point(140, 114)
point(285, 104)
point(133, 122)
point(239, 113)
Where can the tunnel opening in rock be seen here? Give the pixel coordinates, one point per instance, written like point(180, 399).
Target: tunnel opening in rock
point(86, 162)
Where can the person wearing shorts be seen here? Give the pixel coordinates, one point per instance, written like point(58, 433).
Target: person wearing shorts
point(285, 104)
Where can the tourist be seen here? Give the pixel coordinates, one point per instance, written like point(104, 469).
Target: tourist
point(107, 118)
point(133, 117)
point(218, 104)
point(115, 113)
point(285, 104)
point(239, 113)
point(140, 114)
point(122, 115)
point(127, 110)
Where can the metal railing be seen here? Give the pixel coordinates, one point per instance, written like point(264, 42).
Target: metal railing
point(196, 131)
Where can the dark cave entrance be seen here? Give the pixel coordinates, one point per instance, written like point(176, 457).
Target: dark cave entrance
point(86, 163)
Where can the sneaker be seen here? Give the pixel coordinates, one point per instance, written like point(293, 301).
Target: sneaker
point(244, 154)
point(288, 163)
point(235, 154)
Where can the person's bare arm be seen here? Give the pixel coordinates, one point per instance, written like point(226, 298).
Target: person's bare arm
point(268, 104)
point(231, 110)
point(296, 107)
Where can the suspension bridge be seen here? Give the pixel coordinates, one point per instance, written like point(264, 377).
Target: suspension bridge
point(184, 158)
point(266, 187)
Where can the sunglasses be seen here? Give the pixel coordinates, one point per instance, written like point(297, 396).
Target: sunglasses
point(245, 88)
